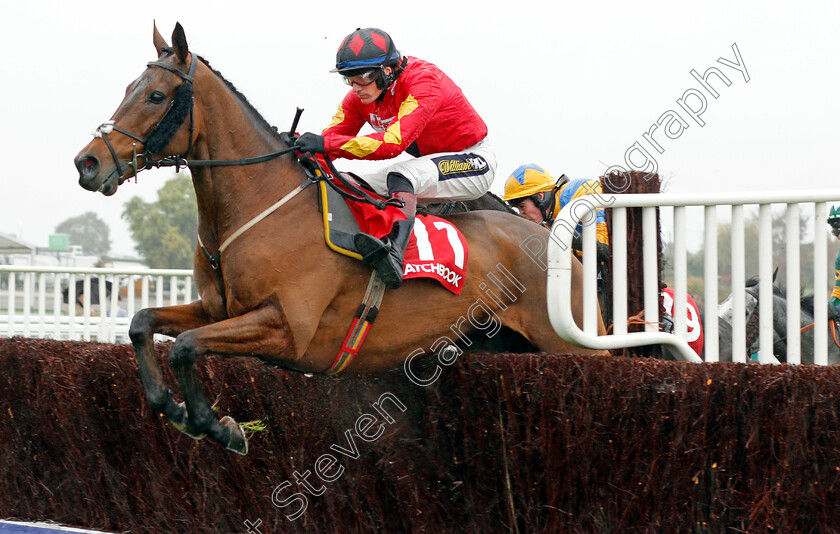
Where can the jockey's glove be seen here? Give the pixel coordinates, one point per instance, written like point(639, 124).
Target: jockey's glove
point(666, 322)
point(602, 250)
point(310, 142)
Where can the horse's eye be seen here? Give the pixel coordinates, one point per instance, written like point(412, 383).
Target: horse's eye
point(156, 97)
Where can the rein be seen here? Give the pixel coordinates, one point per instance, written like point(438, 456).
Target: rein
point(831, 323)
point(638, 319)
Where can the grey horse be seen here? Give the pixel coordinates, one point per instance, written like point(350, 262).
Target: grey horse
point(780, 334)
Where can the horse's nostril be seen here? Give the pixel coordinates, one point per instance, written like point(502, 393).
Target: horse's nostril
point(88, 166)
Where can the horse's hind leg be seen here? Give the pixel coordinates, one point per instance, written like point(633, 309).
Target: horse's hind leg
point(171, 320)
point(264, 331)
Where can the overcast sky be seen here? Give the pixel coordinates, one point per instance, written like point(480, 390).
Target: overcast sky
point(570, 86)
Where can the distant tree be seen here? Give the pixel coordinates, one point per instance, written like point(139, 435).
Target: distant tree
point(165, 231)
point(87, 231)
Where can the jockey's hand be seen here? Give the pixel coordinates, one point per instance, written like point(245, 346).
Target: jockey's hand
point(666, 322)
point(602, 251)
point(577, 242)
point(289, 138)
point(310, 142)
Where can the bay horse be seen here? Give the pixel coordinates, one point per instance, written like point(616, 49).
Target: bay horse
point(281, 295)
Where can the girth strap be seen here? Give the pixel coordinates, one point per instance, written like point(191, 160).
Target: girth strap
point(360, 326)
point(216, 264)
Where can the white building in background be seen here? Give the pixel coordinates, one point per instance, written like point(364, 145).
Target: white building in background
point(11, 246)
point(124, 263)
point(14, 251)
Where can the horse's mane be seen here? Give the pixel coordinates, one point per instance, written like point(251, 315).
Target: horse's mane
point(807, 304)
point(778, 289)
point(502, 203)
point(806, 301)
point(241, 97)
point(487, 201)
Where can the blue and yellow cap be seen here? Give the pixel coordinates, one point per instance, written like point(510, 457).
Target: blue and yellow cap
point(528, 180)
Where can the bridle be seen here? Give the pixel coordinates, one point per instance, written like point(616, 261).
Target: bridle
point(161, 135)
point(163, 132)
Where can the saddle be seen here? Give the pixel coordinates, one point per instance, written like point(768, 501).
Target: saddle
point(436, 250)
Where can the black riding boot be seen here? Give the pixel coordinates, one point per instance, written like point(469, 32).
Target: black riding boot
point(386, 255)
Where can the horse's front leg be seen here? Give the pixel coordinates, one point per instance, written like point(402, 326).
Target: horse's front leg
point(264, 331)
point(171, 321)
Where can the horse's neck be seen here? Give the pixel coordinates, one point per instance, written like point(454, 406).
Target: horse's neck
point(230, 196)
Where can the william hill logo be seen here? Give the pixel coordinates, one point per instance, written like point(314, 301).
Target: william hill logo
point(451, 166)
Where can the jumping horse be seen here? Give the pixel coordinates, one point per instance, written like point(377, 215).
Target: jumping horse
point(280, 294)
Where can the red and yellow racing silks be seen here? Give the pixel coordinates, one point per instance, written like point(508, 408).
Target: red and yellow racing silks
point(424, 106)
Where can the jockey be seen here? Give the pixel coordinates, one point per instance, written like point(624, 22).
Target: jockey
point(539, 198)
point(415, 108)
point(834, 222)
point(694, 327)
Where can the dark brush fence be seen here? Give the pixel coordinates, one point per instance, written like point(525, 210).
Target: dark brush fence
point(633, 182)
point(498, 443)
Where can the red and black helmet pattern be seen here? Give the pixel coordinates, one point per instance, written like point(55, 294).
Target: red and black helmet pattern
point(366, 48)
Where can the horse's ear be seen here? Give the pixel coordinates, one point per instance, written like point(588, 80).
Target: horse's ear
point(179, 42)
point(775, 273)
point(159, 41)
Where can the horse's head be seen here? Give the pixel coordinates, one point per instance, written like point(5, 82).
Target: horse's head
point(154, 118)
point(726, 308)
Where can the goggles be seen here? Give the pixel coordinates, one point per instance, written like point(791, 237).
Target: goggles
point(516, 202)
point(362, 80)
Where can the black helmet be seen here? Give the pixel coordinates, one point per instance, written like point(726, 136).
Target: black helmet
point(834, 220)
point(364, 50)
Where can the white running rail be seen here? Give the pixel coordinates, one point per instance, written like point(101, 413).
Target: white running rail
point(32, 301)
point(583, 209)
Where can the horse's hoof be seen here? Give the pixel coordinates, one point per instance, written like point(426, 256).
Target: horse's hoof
point(176, 413)
point(236, 440)
point(182, 424)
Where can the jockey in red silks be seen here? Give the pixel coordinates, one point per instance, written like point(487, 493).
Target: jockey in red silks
point(414, 108)
point(694, 328)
